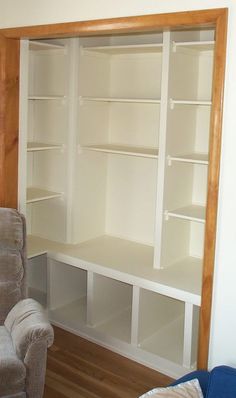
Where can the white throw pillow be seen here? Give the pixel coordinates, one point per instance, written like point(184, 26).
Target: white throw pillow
point(189, 389)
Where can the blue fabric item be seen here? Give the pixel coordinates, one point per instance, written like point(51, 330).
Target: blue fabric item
point(202, 375)
point(222, 383)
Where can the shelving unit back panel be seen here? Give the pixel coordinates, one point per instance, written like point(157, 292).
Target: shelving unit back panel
point(47, 73)
point(203, 115)
point(175, 241)
point(109, 299)
point(156, 312)
point(196, 245)
point(134, 124)
point(67, 284)
point(181, 127)
point(179, 186)
point(199, 184)
point(131, 198)
point(136, 76)
point(47, 121)
point(89, 201)
point(93, 123)
point(48, 219)
point(94, 73)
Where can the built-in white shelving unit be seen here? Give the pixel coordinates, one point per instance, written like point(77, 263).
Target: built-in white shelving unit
point(115, 191)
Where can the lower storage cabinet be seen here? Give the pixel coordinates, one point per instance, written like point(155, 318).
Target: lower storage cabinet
point(145, 325)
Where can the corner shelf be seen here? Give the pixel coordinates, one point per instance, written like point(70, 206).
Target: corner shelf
point(191, 213)
point(39, 146)
point(124, 150)
point(126, 49)
point(37, 194)
point(196, 158)
point(125, 100)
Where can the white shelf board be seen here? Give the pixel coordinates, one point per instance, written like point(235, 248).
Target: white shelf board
point(128, 262)
point(46, 97)
point(174, 102)
point(195, 45)
point(40, 146)
point(41, 46)
point(72, 315)
point(196, 158)
point(125, 100)
point(124, 150)
point(191, 212)
point(37, 194)
point(126, 49)
point(118, 326)
point(167, 342)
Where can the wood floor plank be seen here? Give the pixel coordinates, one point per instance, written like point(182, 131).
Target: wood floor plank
point(77, 368)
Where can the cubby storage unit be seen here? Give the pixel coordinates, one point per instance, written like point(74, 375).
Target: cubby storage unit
point(115, 189)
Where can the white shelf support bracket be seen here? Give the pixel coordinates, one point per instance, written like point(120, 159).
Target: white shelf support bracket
point(169, 160)
point(81, 101)
point(172, 104)
point(188, 329)
point(166, 215)
point(79, 150)
point(135, 316)
point(174, 47)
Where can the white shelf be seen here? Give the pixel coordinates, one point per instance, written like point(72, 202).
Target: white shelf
point(39, 146)
point(174, 102)
point(41, 46)
point(125, 100)
point(196, 158)
point(124, 150)
point(128, 262)
point(46, 97)
point(200, 46)
point(192, 213)
point(37, 194)
point(167, 342)
point(126, 49)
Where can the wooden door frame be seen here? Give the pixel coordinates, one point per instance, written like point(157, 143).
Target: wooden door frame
point(9, 110)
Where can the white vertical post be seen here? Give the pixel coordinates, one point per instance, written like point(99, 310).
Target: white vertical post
point(135, 316)
point(72, 104)
point(23, 125)
point(188, 328)
point(162, 149)
point(90, 284)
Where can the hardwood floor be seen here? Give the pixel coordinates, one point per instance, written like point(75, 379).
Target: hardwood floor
point(77, 368)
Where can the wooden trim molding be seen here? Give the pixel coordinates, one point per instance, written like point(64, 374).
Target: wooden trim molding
point(213, 188)
point(144, 23)
point(9, 121)
point(9, 56)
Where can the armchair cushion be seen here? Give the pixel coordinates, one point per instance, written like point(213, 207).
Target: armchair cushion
point(28, 324)
point(222, 382)
point(12, 369)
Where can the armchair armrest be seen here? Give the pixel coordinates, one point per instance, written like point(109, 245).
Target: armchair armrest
point(31, 335)
point(28, 324)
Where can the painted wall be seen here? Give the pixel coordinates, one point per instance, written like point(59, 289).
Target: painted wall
point(32, 12)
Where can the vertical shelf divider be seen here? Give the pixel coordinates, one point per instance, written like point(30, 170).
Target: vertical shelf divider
point(90, 283)
point(73, 64)
point(162, 148)
point(135, 316)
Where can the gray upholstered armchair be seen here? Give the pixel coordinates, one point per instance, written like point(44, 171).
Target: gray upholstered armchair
point(25, 332)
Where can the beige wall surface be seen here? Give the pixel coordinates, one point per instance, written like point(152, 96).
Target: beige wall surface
point(32, 12)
